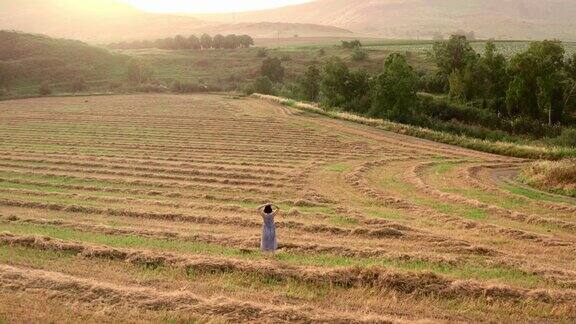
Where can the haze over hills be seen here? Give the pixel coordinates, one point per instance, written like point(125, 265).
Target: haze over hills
point(504, 19)
point(112, 20)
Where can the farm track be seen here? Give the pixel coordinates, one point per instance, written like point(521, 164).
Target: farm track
point(369, 215)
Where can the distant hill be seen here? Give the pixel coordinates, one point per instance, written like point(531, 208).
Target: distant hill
point(505, 19)
point(269, 29)
point(90, 20)
point(33, 59)
point(104, 21)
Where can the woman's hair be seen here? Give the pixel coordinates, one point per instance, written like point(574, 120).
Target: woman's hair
point(268, 209)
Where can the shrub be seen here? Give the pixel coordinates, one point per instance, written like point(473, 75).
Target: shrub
point(289, 91)
point(309, 83)
point(45, 89)
point(263, 85)
point(359, 55)
point(567, 138)
point(262, 52)
point(351, 44)
point(273, 69)
point(433, 83)
point(138, 72)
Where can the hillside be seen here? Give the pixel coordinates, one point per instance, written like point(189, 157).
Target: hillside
point(104, 21)
point(269, 29)
point(509, 19)
point(32, 59)
point(90, 20)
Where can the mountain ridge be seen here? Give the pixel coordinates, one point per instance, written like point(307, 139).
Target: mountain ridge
point(502, 19)
point(103, 21)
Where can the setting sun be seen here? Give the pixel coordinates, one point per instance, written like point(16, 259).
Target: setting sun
point(212, 6)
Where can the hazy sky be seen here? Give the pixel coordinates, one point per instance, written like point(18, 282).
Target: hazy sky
point(209, 6)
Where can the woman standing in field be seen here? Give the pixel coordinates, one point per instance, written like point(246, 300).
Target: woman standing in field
point(268, 242)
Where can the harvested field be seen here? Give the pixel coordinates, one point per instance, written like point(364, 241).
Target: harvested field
point(142, 208)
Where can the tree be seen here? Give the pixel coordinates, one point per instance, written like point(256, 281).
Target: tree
point(273, 69)
point(181, 42)
point(570, 84)
point(494, 80)
point(263, 85)
point(394, 90)
point(206, 41)
point(454, 54)
point(246, 41)
point(218, 41)
point(231, 42)
point(138, 72)
point(194, 42)
point(309, 83)
point(344, 89)
point(538, 82)
point(167, 44)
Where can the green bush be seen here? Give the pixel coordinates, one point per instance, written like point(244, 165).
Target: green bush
point(433, 83)
point(262, 52)
point(567, 138)
point(263, 85)
point(359, 55)
point(273, 69)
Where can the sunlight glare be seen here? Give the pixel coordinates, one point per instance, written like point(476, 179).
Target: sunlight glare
point(211, 6)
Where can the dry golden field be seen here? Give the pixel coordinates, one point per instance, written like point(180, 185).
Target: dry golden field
point(142, 208)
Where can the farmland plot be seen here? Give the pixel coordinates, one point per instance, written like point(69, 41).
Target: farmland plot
point(142, 208)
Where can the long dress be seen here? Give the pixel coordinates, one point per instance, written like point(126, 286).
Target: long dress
point(268, 242)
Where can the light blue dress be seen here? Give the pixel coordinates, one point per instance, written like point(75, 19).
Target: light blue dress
point(268, 243)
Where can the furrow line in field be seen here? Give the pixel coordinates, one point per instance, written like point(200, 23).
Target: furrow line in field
point(66, 287)
point(424, 283)
point(201, 178)
point(356, 179)
point(250, 243)
point(151, 160)
point(378, 232)
point(278, 157)
point(157, 193)
point(327, 148)
point(204, 171)
point(472, 176)
point(415, 174)
point(153, 184)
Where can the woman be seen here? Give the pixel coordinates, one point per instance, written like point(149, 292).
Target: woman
point(268, 242)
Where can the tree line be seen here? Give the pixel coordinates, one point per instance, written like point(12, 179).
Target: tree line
point(191, 42)
point(531, 94)
point(537, 84)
